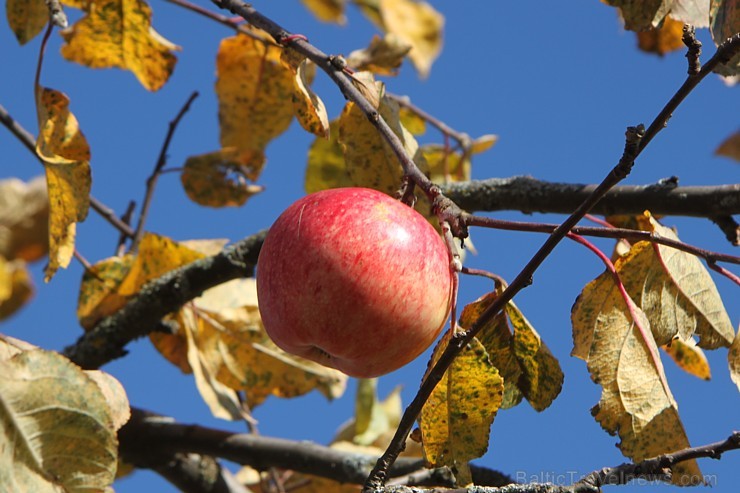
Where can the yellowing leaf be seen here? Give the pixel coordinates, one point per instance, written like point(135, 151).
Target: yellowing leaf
point(24, 219)
point(118, 33)
point(445, 165)
point(16, 287)
point(483, 143)
point(99, 296)
point(57, 429)
point(542, 378)
point(412, 122)
point(418, 24)
point(383, 56)
point(66, 155)
point(374, 420)
point(243, 357)
point(497, 339)
point(639, 15)
point(217, 179)
point(724, 22)
point(26, 18)
point(689, 357)
point(327, 10)
point(114, 395)
point(309, 108)
point(662, 39)
point(326, 167)
point(613, 336)
point(369, 159)
point(733, 357)
point(455, 421)
point(730, 147)
point(675, 291)
point(254, 98)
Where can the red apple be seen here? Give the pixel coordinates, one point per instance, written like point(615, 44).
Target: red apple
point(355, 280)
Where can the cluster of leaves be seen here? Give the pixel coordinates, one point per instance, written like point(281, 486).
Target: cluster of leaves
point(662, 298)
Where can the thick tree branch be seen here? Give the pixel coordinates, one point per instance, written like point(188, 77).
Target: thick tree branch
point(148, 438)
point(528, 195)
point(106, 341)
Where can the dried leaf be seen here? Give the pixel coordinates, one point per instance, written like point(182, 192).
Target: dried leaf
point(375, 421)
point(326, 167)
point(730, 147)
point(733, 357)
point(418, 24)
point(724, 22)
point(662, 39)
point(26, 18)
point(99, 296)
point(369, 159)
point(24, 219)
point(640, 15)
point(57, 429)
point(309, 108)
point(370, 89)
point(114, 395)
point(66, 156)
point(118, 33)
point(613, 336)
point(327, 10)
point(254, 92)
point(689, 357)
point(694, 12)
point(483, 143)
point(217, 179)
point(16, 287)
point(675, 291)
point(456, 420)
point(383, 56)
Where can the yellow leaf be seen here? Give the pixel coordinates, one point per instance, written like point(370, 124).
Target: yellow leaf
point(369, 159)
point(418, 24)
point(689, 357)
point(497, 339)
point(327, 10)
point(456, 420)
point(483, 143)
point(613, 336)
point(412, 122)
point(326, 167)
point(222, 401)
point(370, 89)
point(217, 179)
point(662, 39)
point(118, 33)
point(730, 147)
point(446, 165)
point(244, 358)
point(66, 155)
point(16, 287)
point(99, 296)
point(309, 108)
point(57, 429)
point(254, 92)
point(24, 219)
point(542, 378)
point(383, 56)
point(675, 291)
point(26, 18)
point(733, 357)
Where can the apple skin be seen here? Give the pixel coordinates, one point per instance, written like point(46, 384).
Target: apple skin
point(354, 280)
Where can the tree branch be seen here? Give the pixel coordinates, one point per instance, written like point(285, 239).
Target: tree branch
point(528, 195)
point(140, 316)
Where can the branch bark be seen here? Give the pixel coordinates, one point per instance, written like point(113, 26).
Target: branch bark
point(528, 195)
point(106, 341)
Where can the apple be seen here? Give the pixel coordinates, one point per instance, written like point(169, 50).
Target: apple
point(354, 280)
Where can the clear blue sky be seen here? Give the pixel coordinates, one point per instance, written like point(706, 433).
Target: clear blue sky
point(557, 81)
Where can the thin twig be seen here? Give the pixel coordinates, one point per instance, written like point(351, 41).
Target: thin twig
point(126, 218)
point(151, 182)
point(29, 142)
point(462, 138)
point(229, 22)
